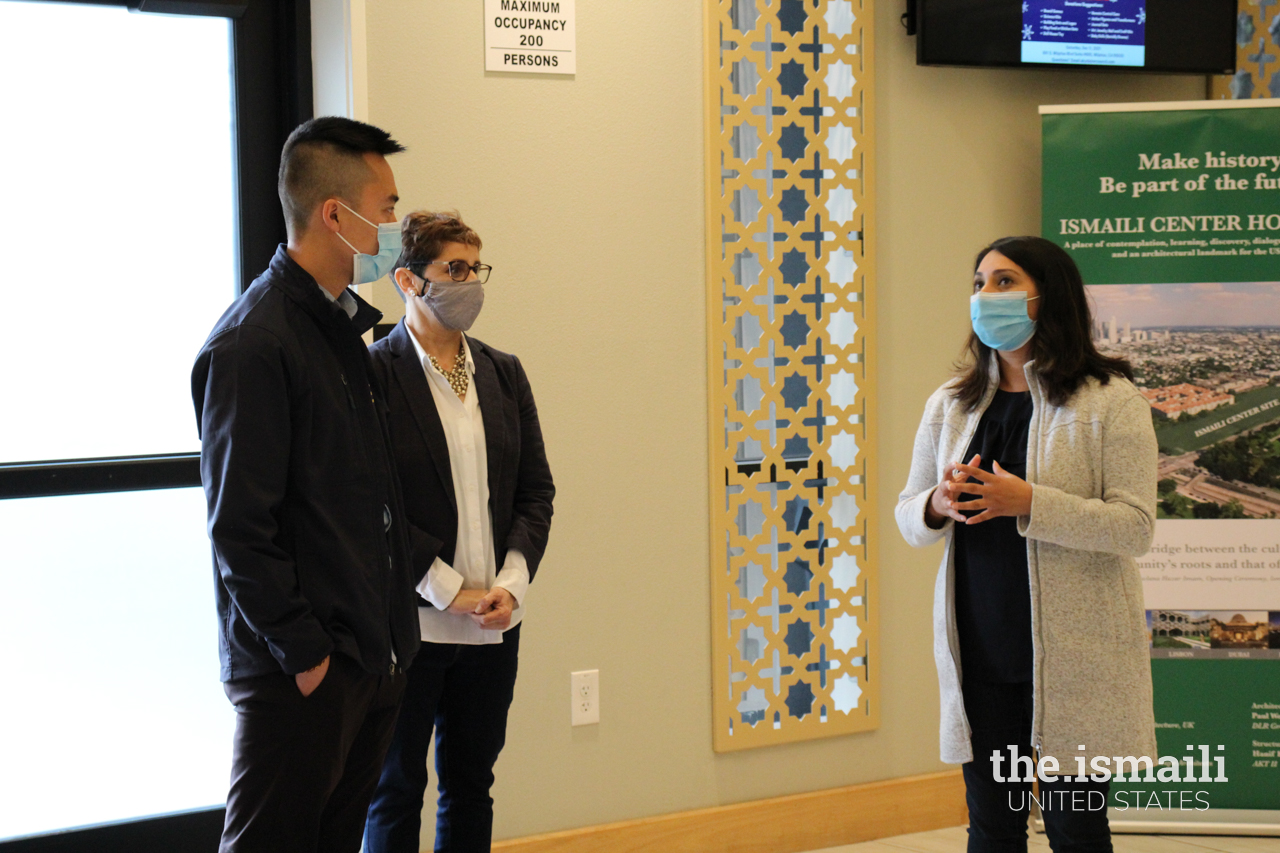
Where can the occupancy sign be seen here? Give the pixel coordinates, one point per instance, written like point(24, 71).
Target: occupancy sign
point(529, 36)
point(1087, 32)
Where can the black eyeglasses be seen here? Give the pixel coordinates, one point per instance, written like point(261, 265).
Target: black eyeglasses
point(459, 270)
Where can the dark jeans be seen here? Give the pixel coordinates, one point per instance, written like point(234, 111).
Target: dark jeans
point(303, 768)
point(1074, 813)
point(463, 693)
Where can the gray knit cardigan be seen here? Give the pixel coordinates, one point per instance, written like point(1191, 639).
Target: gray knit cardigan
point(1092, 466)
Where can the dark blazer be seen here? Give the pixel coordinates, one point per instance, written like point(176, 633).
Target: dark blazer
point(520, 487)
point(296, 465)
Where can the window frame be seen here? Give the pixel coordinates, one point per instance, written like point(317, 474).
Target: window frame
point(272, 90)
point(196, 831)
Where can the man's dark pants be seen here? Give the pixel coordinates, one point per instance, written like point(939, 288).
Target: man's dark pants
point(304, 768)
point(463, 693)
point(1000, 715)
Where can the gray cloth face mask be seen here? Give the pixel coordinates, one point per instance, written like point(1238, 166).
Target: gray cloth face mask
point(456, 304)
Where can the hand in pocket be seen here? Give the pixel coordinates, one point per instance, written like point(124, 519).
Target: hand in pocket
point(308, 681)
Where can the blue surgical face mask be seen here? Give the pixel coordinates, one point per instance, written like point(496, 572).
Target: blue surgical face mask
point(1000, 319)
point(373, 267)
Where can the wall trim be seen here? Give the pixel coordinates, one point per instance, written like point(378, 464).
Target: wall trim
point(790, 824)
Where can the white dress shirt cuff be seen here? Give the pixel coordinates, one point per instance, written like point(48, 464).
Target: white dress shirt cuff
point(514, 577)
point(441, 584)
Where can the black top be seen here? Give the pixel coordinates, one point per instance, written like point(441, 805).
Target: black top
point(310, 544)
point(992, 592)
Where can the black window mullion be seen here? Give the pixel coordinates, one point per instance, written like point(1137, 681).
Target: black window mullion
point(197, 831)
point(272, 44)
point(89, 476)
point(202, 8)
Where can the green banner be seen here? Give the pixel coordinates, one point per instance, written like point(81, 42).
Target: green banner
point(1227, 711)
point(1172, 212)
point(1165, 196)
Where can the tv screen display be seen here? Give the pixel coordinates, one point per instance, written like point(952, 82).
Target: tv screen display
point(1170, 36)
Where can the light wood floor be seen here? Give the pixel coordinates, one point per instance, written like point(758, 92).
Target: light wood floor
point(953, 840)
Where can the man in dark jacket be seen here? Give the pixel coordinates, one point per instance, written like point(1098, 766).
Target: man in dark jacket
point(316, 609)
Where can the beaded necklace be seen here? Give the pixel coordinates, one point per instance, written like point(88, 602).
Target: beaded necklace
point(458, 378)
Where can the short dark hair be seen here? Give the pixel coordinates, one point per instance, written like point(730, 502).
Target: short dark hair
point(324, 158)
point(424, 233)
point(1062, 347)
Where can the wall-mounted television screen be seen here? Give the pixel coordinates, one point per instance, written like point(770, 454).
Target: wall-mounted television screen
point(1170, 36)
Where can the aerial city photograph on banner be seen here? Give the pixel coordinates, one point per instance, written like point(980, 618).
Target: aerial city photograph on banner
point(1207, 358)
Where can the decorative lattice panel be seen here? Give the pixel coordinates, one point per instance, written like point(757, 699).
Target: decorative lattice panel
point(1257, 53)
point(789, 273)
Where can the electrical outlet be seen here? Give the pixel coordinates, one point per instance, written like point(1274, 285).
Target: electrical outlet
point(584, 699)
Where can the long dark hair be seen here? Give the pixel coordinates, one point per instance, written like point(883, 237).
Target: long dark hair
point(1062, 347)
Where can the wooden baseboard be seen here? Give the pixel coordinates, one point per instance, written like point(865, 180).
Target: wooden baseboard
point(780, 825)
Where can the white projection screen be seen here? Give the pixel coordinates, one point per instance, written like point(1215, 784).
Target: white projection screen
point(119, 226)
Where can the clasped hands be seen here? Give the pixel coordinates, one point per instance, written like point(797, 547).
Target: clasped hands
point(999, 493)
point(489, 608)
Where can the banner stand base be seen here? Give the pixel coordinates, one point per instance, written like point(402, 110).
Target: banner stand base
point(1263, 822)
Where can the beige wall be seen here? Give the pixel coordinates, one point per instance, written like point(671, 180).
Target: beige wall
point(588, 192)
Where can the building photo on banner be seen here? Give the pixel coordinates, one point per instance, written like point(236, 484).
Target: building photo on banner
point(1172, 212)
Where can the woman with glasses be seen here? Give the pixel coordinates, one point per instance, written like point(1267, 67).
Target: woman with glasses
point(1036, 466)
point(477, 495)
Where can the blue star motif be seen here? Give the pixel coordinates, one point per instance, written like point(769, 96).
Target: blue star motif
point(796, 453)
point(1242, 84)
point(1244, 32)
point(795, 392)
point(792, 79)
point(1024, 8)
point(799, 700)
point(799, 638)
point(793, 142)
point(795, 330)
point(794, 267)
point(798, 577)
point(791, 16)
point(794, 205)
point(797, 515)
point(1027, 32)
point(1142, 16)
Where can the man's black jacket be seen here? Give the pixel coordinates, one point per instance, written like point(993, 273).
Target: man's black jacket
point(300, 484)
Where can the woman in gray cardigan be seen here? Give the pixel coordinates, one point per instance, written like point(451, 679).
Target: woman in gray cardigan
point(1036, 466)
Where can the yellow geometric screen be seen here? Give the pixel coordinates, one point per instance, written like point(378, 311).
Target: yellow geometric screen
point(1257, 54)
point(789, 273)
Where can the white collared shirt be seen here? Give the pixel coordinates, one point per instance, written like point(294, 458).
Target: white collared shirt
point(473, 557)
